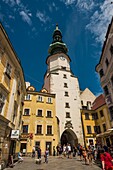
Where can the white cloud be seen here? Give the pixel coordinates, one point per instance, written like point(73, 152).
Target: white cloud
point(85, 4)
point(42, 17)
point(25, 17)
point(52, 7)
point(10, 2)
point(68, 2)
point(99, 21)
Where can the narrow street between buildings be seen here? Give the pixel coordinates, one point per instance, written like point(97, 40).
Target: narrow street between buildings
point(54, 163)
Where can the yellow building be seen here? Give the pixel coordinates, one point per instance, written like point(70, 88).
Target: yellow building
point(96, 123)
point(12, 91)
point(40, 124)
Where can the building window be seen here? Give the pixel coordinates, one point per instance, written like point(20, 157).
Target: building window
point(40, 99)
point(49, 100)
point(104, 127)
point(112, 80)
point(67, 115)
point(111, 49)
point(49, 130)
point(37, 144)
point(64, 68)
point(49, 114)
point(65, 84)
point(2, 101)
point(39, 129)
point(101, 73)
point(106, 91)
point(39, 113)
point(8, 70)
point(89, 129)
point(82, 102)
point(111, 112)
point(65, 76)
point(87, 116)
point(101, 113)
point(25, 128)
point(26, 112)
point(97, 129)
point(93, 116)
point(96, 115)
point(107, 62)
point(27, 97)
point(67, 105)
point(66, 93)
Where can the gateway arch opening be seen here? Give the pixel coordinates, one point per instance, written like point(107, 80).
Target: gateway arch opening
point(68, 136)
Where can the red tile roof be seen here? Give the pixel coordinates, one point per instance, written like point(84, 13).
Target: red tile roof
point(99, 101)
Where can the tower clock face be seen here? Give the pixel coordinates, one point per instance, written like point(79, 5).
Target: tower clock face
point(62, 57)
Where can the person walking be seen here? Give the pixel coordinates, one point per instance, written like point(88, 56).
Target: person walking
point(46, 155)
point(107, 160)
point(39, 155)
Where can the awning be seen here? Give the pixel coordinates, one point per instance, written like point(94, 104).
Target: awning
point(108, 132)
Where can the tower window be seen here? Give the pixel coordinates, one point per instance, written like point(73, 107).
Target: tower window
point(67, 115)
point(65, 76)
point(66, 93)
point(64, 68)
point(67, 105)
point(65, 85)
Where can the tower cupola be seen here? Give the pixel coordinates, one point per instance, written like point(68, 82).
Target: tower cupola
point(57, 45)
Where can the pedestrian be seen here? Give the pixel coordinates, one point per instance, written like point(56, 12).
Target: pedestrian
point(38, 160)
point(64, 150)
point(46, 155)
point(84, 153)
point(57, 148)
point(20, 159)
point(69, 151)
point(107, 160)
point(33, 152)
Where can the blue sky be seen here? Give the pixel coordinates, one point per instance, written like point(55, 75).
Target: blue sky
point(83, 23)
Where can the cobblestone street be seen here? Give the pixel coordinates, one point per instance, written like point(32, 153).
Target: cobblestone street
point(54, 163)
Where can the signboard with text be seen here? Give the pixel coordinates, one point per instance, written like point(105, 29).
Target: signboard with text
point(15, 134)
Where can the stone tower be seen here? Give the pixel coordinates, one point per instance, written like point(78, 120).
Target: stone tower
point(60, 80)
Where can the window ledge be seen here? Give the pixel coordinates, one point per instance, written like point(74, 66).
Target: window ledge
point(39, 134)
point(48, 117)
point(49, 134)
point(39, 116)
point(26, 115)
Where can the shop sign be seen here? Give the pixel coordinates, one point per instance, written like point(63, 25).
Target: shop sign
point(15, 134)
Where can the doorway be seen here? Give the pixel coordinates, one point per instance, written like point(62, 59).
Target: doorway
point(49, 146)
point(68, 136)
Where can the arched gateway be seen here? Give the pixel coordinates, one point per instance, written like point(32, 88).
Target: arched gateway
point(68, 136)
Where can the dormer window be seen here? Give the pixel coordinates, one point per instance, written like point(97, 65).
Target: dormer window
point(107, 62)
point(111, 49)
point(101, 73)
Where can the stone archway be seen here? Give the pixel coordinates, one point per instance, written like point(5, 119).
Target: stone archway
point(68, 136)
